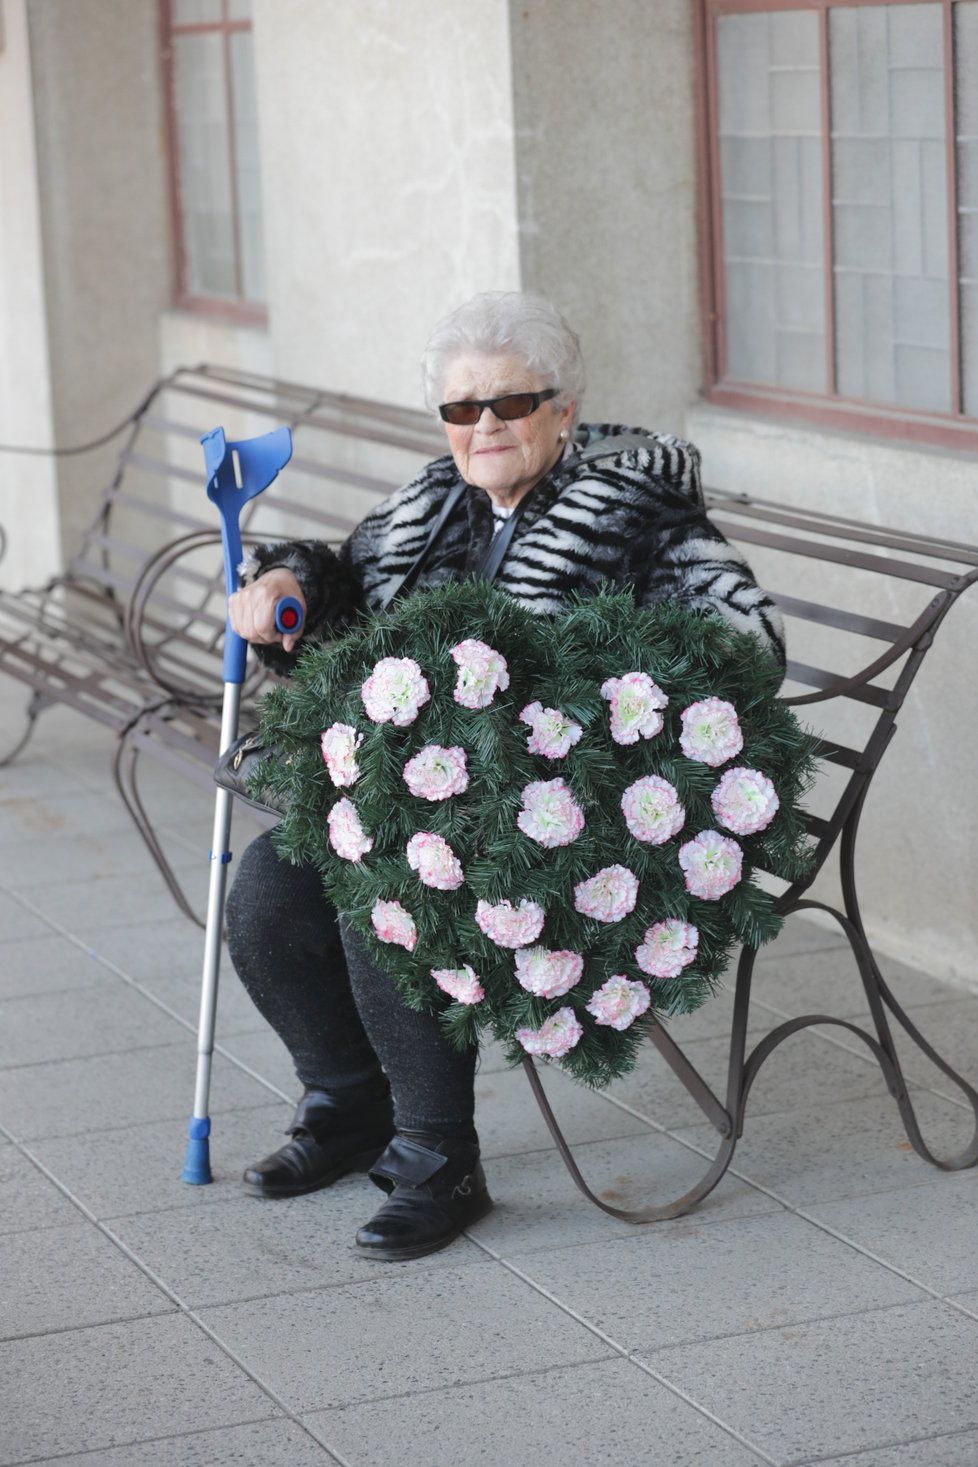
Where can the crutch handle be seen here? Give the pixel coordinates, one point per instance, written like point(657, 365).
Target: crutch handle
point(288, 615)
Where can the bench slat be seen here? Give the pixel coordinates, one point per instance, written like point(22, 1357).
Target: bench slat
point(903, 569)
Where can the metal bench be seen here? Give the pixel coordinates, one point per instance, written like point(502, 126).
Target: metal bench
point(130, 635)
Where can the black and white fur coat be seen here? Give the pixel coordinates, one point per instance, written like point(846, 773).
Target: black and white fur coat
point(624, 506)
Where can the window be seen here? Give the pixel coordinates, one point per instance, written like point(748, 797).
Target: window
point(839, 150)
point(213, 136)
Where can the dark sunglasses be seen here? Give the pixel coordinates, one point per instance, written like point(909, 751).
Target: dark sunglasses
point(512, 405)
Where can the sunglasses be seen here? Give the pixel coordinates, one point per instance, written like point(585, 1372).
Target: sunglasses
point(512, 405)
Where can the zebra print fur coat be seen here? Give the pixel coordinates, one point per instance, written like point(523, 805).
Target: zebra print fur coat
point(623, 506)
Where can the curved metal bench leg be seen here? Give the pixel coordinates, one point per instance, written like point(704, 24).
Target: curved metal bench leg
point(35, 708)
point(124, 773)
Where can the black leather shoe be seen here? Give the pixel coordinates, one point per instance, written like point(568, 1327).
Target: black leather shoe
point(437, 1187)
point(330, 1137)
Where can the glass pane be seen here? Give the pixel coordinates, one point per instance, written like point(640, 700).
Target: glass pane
point(889, 204)
point(194, 12)
point(239, 9)
point(202, 141)
point(248, 178)
point(966, 97)
point(771, 192)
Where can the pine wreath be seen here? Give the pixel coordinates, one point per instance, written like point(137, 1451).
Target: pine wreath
point(544, 827)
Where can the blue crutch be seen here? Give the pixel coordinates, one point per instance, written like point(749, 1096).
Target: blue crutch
point(258, 460)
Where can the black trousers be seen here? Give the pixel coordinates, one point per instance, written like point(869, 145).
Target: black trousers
point(338, 1014)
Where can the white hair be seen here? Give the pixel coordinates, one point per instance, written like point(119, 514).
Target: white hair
point(511, 323)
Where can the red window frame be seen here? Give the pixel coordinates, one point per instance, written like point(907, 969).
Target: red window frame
point(241, 310)
point(953, 429)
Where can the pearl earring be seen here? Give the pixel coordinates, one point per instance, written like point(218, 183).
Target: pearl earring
point(562, 433)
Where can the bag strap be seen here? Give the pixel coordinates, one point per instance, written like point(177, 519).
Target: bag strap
point(414, 570)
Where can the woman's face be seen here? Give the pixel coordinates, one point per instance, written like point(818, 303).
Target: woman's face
point(504, 458)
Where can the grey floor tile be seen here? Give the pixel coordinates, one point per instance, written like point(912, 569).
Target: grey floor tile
point(364, 1341)
point(509, 1120)
point(138, 1169)
point(29, 1199)
point(899, 1227)
point(839, 1385)
point(960, 1450)
point(264, 1053)
point(51, 964)
point(802, 934)
point(69, 1277)
point(951, 1028)
point(90, 1389)
point(609, 1414)
point(102, 1092)
point(827, 981)
point(249, 1247)
point(684, 1281)
point(17, 922)
point(538, 1205)
point(828, 1152)
point(38, 861)
point(967, 1300)
point(83, 908)
point(177, 946)
point(102, 1019)
point(280, 1443)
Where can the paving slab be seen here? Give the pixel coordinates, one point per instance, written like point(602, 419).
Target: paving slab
point(102, 1092)
point(899, 1228)
point(105, 1018)
point(280, 1443)
point(609, 1414)
point(84, 907)
point(960, 1450)
point(802, 934)
point(69, 1277)
point(685, 1281)
point(34, 861)
point(330, 1347)
point(509, 1120)
point(90, 1389)
point(17, 921)
point(249, 1247)
point(850, 1149)
point(538, 1205)
point(823, 980)
point(950, 1027)
point(262, 1052)
point(50, 964)
point(137, 1168)
point(30, 1200)
point(835, 1386)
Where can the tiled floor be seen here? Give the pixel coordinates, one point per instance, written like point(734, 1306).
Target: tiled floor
point(820, 1306)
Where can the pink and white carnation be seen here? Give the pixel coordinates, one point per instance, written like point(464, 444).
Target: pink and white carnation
point(711, 732)
point(346, 834)
point(635, 707)
point(552, 733)
point(745, 801)
point(395, 691)
point(607, 896)
point(436, 773)
point(394, 923)
point(510, 926)
point(667, 948)
point(461, 983)
point(619, 1002)
point(712, 863)
point(435, 862)
point(555, 1037)
point(550, 815)
point(482, 673)
point(548, 974)
point(339, 744)
point(652, 809)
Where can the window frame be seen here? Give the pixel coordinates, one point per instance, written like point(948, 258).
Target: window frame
point(236, 309)
point(954, 429)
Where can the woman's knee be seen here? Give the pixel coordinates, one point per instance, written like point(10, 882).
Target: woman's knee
point(267, 895)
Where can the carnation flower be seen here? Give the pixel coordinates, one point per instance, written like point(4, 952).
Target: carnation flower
point(652, 810)
point(395, 691)
point(555, 1037)
point(508, 926)
point(436, 773)
point(712, 863)
point(339, 745)
point(462, 983)
point(552, 733)
point(550, 815)
point(482, 673)
point(346, 834)
point(745, 801)
point(711, 733)
point(618, 1002)
point(635, 703)
point(667, 948)
point(393, 923)
point(435, 862)
point(608, 896)
point(547, 974)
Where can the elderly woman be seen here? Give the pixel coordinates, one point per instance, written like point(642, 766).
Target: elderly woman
point(544, 507)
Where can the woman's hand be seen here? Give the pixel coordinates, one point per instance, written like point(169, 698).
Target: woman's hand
point(252, 609)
